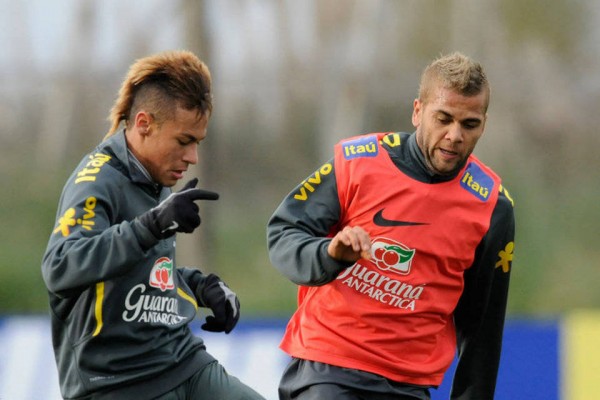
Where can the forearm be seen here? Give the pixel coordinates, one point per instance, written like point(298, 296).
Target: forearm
point(300, 256)
point(480, 314)
point(298, 232)
point(479, 352)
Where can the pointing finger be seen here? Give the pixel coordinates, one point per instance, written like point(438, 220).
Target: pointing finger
point(201, 194)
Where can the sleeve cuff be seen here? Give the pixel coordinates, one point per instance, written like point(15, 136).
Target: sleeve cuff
point(144, 235)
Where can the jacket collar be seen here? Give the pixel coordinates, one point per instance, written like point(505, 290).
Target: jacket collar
point(117, 144)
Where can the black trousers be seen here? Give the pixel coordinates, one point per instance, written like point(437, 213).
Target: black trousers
point(310, 380)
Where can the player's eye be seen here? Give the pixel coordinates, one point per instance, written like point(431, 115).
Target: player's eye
point(471, 124)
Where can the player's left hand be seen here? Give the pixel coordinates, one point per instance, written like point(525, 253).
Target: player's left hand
point(223, 302)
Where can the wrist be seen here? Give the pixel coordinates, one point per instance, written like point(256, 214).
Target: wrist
point(149, 220)
point(206, 291)
point(145, 237)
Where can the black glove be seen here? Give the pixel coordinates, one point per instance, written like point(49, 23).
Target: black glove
point(178, 212)
point(224, 303)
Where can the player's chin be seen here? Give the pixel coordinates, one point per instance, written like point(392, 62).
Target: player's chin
point(171, 177)
point(447, 168)
point(168, 181)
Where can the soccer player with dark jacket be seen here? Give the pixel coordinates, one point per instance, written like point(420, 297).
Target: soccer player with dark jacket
point(401, 245)
point(120, 306)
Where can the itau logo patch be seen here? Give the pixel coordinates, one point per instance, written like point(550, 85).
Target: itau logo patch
point(389, 255)
point(161, 276)
point(477, 182)
point(365, 146)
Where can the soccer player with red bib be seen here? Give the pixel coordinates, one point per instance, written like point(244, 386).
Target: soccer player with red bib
point(401, 245)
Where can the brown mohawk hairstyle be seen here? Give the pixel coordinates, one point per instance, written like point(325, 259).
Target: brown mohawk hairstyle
point(161, 82)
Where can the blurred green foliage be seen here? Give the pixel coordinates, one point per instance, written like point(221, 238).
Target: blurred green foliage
point(555, 267)
point(541, 59)
point(27, 214)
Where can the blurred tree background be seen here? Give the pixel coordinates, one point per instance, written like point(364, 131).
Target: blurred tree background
point(290, 79)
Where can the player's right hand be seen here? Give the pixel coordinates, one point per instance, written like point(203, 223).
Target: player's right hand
point(350, 244)
point(178, 212)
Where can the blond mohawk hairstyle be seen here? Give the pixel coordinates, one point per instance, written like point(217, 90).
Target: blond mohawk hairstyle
point(161, 82)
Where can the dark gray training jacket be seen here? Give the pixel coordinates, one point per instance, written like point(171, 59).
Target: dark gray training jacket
point(120, 309)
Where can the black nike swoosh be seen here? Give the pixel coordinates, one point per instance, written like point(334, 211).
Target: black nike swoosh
point(379, 219)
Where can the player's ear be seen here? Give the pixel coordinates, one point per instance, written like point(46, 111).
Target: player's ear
point(416, 115)
point(143, 122)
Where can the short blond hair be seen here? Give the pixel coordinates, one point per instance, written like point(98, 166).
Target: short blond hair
point(161, 82)
point(456, 72)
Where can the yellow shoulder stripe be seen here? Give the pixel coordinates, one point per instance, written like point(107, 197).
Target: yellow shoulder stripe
point(98, 307)
point(502, 189)
point(392, 139)
point(186, 296)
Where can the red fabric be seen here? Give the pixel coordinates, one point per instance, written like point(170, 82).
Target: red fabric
point(393, 315)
